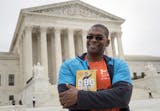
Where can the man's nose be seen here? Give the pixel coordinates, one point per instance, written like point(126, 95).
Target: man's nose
point(94, 38)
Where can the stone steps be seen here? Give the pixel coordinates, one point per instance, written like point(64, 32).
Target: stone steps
point(135, 105)
point(139, 102)
point(55, 108)
point(145, 105)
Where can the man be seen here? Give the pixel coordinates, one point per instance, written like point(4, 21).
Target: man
point(114, 86)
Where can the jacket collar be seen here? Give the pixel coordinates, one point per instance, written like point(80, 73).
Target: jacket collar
point(106, 58)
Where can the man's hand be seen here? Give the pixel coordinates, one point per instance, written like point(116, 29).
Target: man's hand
point(69, 97)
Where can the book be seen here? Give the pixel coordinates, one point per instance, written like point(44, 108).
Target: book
point(86, 80)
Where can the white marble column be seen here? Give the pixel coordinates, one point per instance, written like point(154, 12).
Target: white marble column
point(38, 48)
point(113, 45)
point(119, 44)
point(84, 35)
point(71, 45)
point(58, 48)
point(53, 64)
point(43, 45)
point(27, 53)
point(108, 49)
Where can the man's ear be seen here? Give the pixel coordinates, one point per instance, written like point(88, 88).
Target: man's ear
point(107, 42)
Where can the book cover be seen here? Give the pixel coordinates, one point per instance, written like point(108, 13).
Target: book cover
point(86, 80)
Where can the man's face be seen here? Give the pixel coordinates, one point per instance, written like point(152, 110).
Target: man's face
point(96, 41)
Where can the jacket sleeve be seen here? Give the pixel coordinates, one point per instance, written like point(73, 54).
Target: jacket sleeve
point(116, 97)
point(66, 75)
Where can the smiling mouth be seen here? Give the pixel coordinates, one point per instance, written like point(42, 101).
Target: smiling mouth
point(92, 46)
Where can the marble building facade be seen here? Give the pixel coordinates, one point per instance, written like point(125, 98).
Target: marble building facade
point(49, 35)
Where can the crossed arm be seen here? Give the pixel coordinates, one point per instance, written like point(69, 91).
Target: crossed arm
point(116, 97)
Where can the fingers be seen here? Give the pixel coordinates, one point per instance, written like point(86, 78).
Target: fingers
point(68, 98)
point(65, 102)
point(61, 94)
point(62, 101)
point(63, 98)
point(69, 86)
point(65, 105)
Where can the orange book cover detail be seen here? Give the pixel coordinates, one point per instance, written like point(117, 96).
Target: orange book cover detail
point(86, 80)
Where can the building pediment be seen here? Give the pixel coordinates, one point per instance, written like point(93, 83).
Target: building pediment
point(75, 8)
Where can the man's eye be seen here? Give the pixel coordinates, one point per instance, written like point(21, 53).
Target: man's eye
point(99, 37)
point(89, 37)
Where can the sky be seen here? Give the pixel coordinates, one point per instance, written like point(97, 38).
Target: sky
point(141, 29)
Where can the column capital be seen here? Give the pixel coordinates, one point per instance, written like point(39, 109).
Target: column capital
point(58, 28)
point(29, 27)
point(43, 28)
point(119, 34)
point(84, 30)
point(70, 29)
point(113, 34)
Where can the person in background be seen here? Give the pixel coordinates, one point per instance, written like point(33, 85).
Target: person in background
point(34, 102)
point(13, 102)
point(150, 93)
point(20, 102)
point(114, 85)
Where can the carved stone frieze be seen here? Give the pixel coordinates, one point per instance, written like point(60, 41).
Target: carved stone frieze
point(74, 10)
